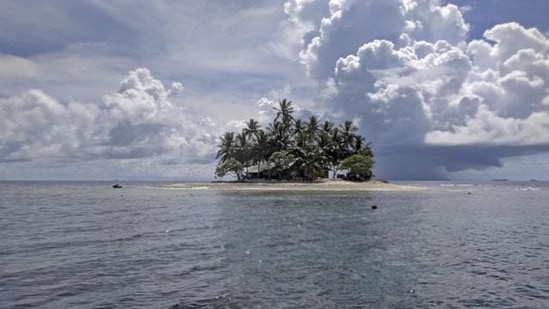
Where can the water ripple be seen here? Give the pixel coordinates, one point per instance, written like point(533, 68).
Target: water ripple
point(88, 246)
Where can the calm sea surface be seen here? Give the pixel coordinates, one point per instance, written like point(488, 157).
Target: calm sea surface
point(86, 245)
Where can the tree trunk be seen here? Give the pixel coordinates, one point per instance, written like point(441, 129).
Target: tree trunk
point(258, 169)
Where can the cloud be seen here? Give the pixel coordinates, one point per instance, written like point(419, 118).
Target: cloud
point(139, 121)
point(421, 92)
point(16, 67)
point(80, 49)
point(423, 84)
point(143, 122)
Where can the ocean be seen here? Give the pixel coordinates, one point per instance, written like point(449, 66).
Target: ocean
point(452, 245)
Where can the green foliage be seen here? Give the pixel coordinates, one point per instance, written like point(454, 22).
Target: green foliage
point(310, 161)
point(227, 147)
point(230, 167)
point(281, 163)
point(359, 166)
point(281, 160)
point(293, 147)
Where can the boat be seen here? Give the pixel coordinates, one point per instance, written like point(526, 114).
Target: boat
point(117, 186)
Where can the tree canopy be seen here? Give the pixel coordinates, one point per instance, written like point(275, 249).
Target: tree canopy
point(294, 149)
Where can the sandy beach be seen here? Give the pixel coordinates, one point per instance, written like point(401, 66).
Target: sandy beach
point(320, 185)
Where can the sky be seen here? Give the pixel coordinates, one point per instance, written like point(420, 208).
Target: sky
point(143, 89)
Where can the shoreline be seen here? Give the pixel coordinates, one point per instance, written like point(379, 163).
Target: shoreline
point(319, 185)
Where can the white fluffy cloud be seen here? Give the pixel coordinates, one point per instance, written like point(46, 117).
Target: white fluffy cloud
point(406, 69)
point(137, 122)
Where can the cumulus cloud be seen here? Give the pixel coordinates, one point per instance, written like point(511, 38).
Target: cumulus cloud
point(139, 121)
point(423, 93)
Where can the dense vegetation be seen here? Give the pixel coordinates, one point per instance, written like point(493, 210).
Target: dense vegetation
point(294, 149)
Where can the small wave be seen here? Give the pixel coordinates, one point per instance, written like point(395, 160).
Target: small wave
point(529, 189)
point(215, 302)
point(131, 237)
point(457, 185)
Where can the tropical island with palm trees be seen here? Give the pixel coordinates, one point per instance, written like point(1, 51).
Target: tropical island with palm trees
point(295, 155)
point(294, 150)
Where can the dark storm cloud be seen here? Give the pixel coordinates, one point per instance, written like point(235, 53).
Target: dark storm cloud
point(434, 162)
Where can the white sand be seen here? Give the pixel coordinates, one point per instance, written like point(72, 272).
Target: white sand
point(321, 185)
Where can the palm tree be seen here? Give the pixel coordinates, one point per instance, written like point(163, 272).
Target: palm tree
point(312, 146)
point(279, 136)
point(261, 149)
point(284, 112)
point(336, 154)
point(312, 128)
point(299, 136)
point(348, 136)
point(360, 146)
point(329, 141)
point(327, 126)
point(242, 149)
point(252, 126)
point(310, 160)
point(227, 147)
point(298, 126)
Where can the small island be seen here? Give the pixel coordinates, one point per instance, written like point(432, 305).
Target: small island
point(295, 150)
point(327, 185)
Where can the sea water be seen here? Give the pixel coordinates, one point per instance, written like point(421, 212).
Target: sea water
point(452, 245)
